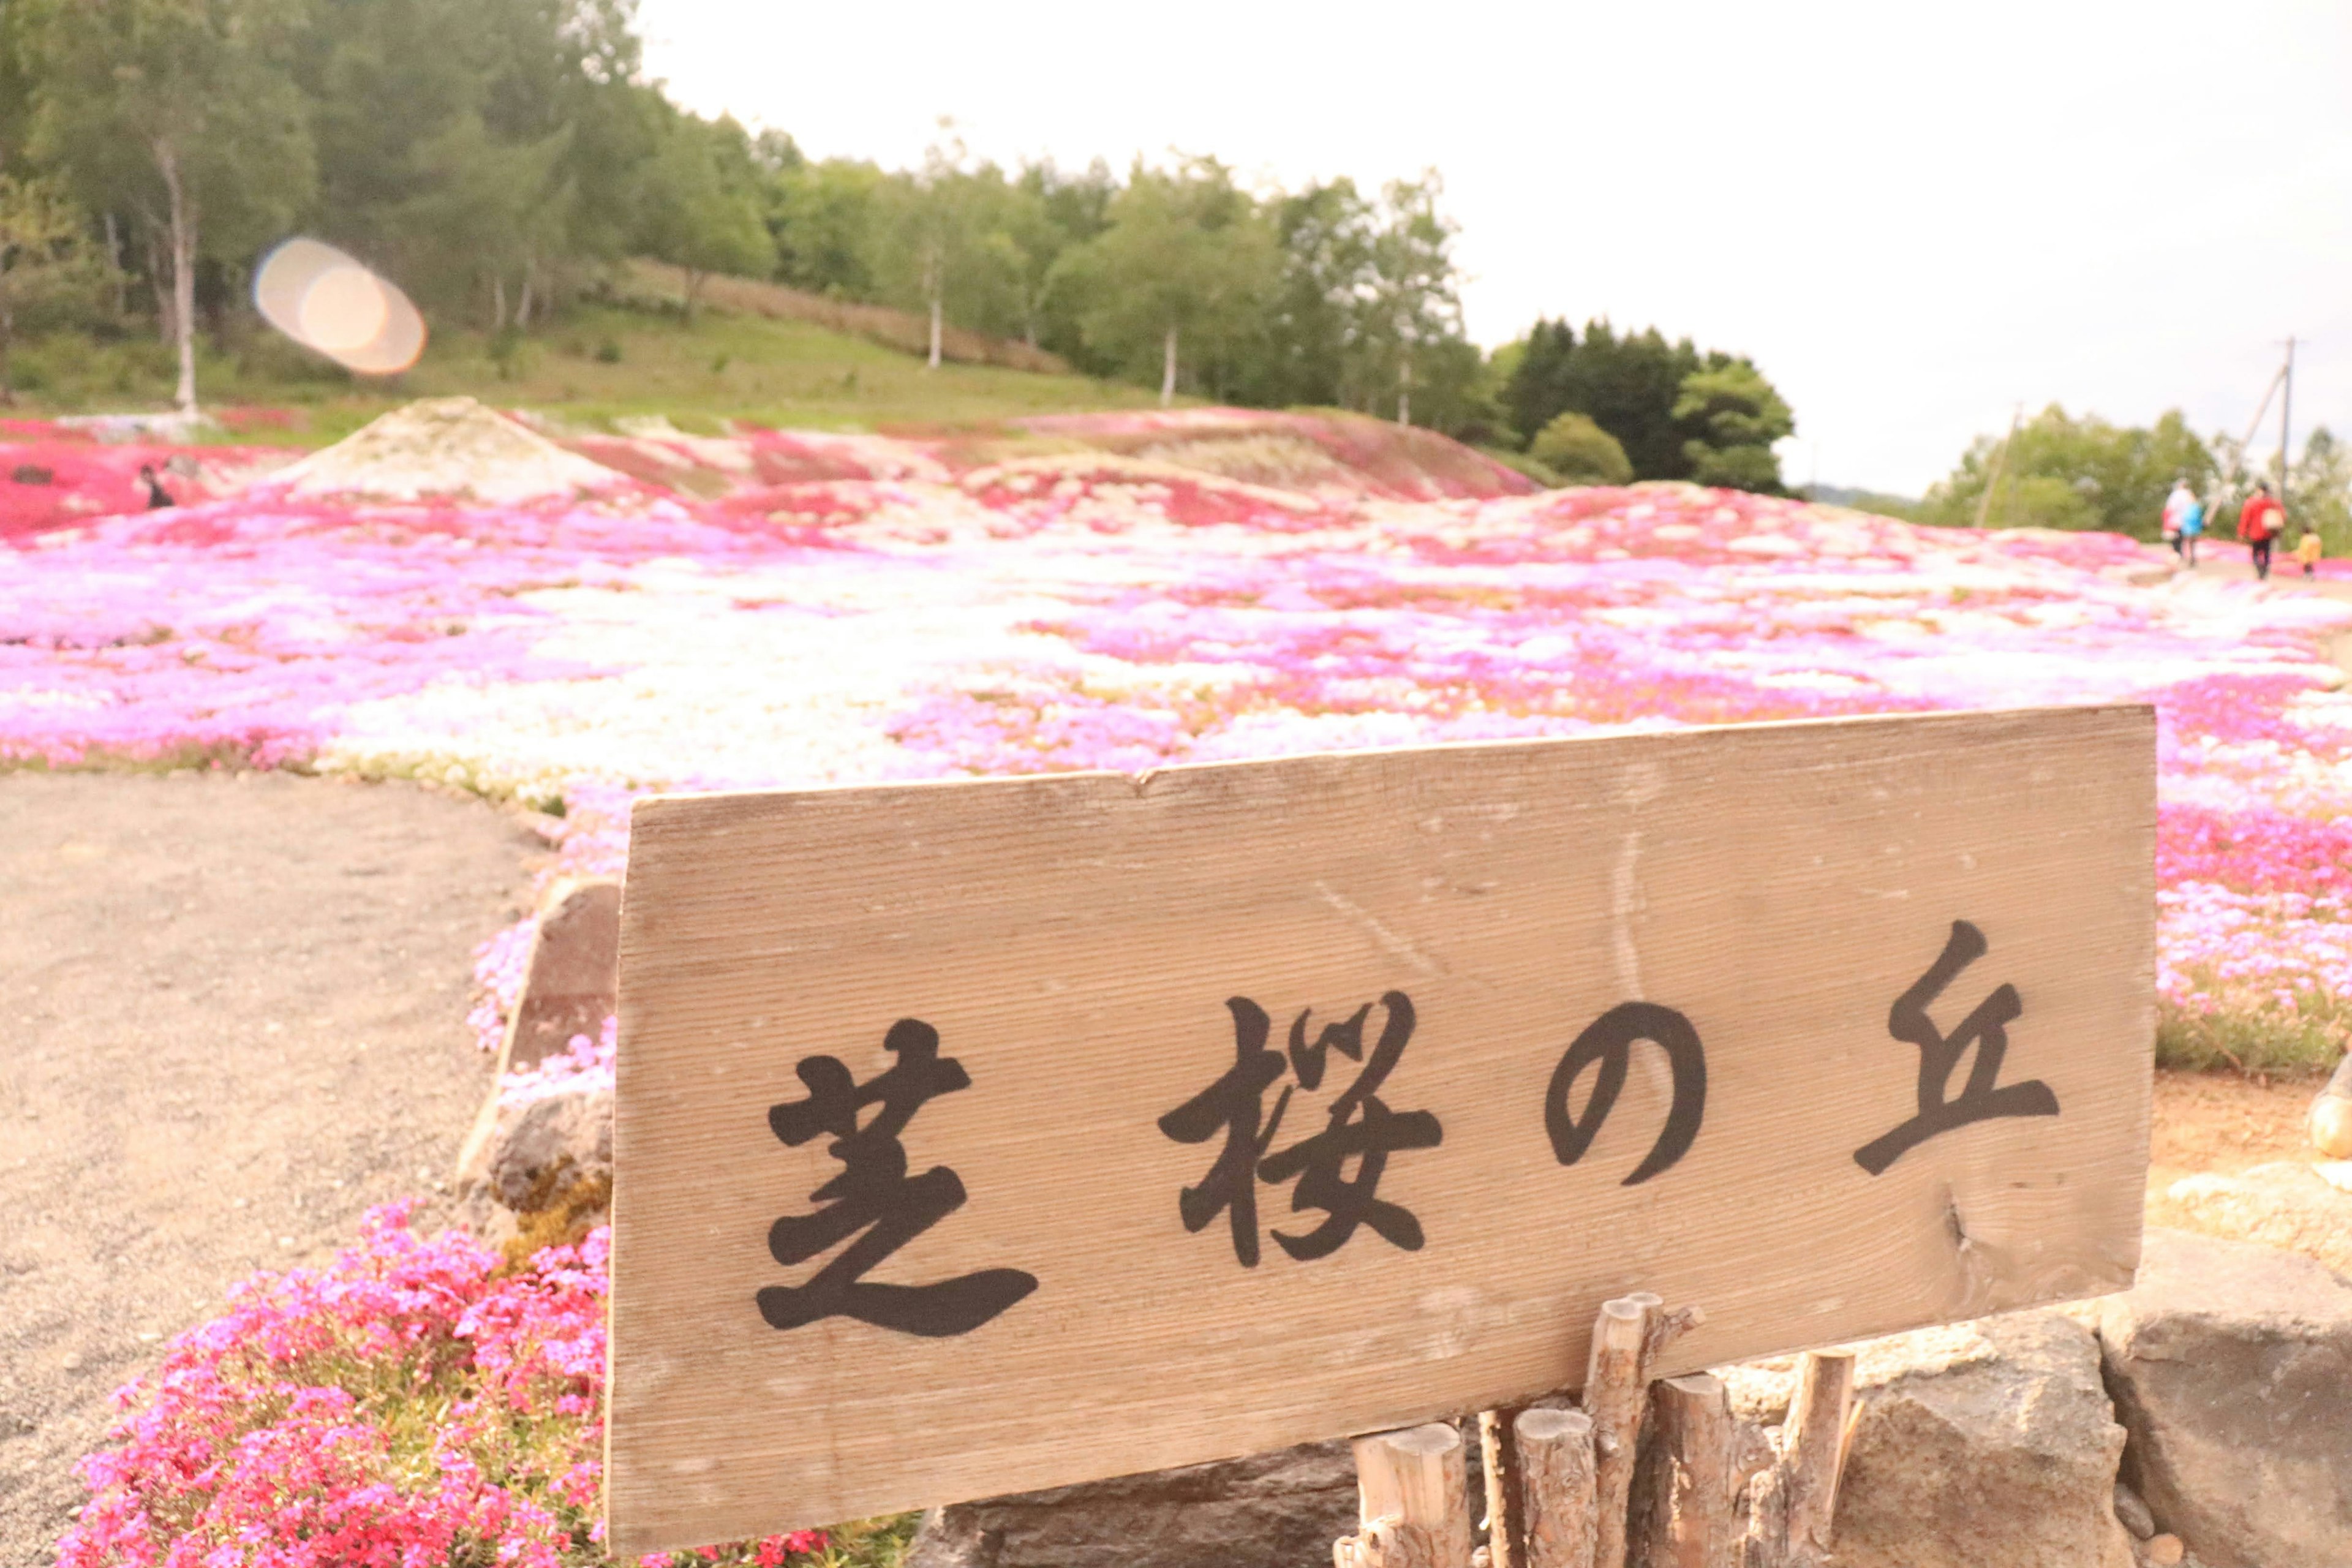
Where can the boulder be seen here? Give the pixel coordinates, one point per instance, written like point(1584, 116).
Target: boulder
point(548, 1143)
point(572, 981)
point(1977, 1443)
point(1989, 1442)
point(1270, 1511)
point(2287, 1204)
point(2232, 1368)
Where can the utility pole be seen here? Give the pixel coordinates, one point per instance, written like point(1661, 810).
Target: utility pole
point(2000, 457)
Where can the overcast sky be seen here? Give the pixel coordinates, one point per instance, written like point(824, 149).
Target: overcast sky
point(1912, 217)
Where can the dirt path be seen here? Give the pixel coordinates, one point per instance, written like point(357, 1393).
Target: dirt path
point(231, 1014)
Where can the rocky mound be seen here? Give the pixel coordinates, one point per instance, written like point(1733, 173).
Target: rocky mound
point(446, 449)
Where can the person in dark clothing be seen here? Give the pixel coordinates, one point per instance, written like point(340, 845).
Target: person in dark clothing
point(157, 496)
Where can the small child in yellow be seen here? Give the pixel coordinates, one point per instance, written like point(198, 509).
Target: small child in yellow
point(2306, 550)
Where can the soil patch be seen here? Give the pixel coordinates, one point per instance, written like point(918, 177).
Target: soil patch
point(231, 1017)
point(2221, 1123)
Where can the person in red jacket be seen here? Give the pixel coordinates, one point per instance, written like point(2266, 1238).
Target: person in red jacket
point(2260, 522)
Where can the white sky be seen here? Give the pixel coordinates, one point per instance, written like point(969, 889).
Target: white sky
point(1912, 217)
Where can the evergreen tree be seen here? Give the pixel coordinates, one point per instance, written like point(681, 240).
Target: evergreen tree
point(1539, 389)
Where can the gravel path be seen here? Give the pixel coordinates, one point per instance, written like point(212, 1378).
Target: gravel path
point(231, 1012)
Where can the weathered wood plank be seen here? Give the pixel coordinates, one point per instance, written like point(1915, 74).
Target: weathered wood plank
point(1074, 940)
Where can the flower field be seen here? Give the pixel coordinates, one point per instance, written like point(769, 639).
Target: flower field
point(800, 609)
point(782, 609)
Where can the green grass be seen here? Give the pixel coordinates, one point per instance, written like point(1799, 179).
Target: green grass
point(592, 365)
point(2269, 1044)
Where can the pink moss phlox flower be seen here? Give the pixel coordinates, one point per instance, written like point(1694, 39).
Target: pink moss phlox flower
point(408, 1403)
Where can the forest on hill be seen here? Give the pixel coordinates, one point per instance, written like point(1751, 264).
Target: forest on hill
point(501, 159)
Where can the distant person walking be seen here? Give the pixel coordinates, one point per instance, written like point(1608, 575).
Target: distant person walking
point(2260, 522)
point(2176, 514)
point(2192, 529)
point(158, 497)
point(2307, 551)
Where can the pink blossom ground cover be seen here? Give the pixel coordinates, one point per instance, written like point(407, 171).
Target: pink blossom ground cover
point(56, 476)
point(888, 615)
point(840, 609)
point(409, 1406)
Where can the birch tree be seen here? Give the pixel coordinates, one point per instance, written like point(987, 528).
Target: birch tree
point(197, 93)
point(1184, 269)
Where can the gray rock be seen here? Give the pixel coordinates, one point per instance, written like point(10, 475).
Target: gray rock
point(550, 1142)
point(2231, 1367)
point(1270, 1511)
point(2134, 1513)
point(2285, 1204)
point(1983, 1443)
point(572, 981)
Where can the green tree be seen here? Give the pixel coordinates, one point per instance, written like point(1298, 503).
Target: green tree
point(1183, 270)
point(189, 108)
point(1581, 452)
point(2320, 495)
point(16, 102)
point(1414, 308)
point(413, 175)
point(1628, 386)
point(1537, 377)
point(1734, 417)
point(823, 217)
point(935, 240)
point(1326, 233)
point(42, 256)
point(701, 208)
point(1678, 414)
point(2064, 472)
point(1074, 208)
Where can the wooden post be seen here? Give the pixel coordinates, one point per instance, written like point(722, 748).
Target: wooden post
point(1498, 1452)
point(1813, 1447)
point(1793, 1506)
point(1556, 1470)
point(1767, 1544)
point(1386, 1544)
point(1689, 1521)
point(1414, 1493)
point(1615, 1384)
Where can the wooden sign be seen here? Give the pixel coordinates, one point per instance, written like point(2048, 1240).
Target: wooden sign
point(981, 1136)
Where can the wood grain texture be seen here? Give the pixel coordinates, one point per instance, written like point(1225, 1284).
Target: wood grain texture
point(1418, 1477)
point(1689, 1520)
point(1075, 939)
point(1616, 1388)
point(1555, 1449)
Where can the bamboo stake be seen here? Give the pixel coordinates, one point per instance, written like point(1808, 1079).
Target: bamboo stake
point(1556, 1464)
point(1614, 1386)
point(1689, 1517)
point(1414, 1498)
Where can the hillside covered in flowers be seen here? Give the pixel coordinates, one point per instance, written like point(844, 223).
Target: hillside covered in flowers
point(1131, 591)
point(655, 610)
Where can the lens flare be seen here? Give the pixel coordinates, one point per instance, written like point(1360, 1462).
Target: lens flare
point(334, 306)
